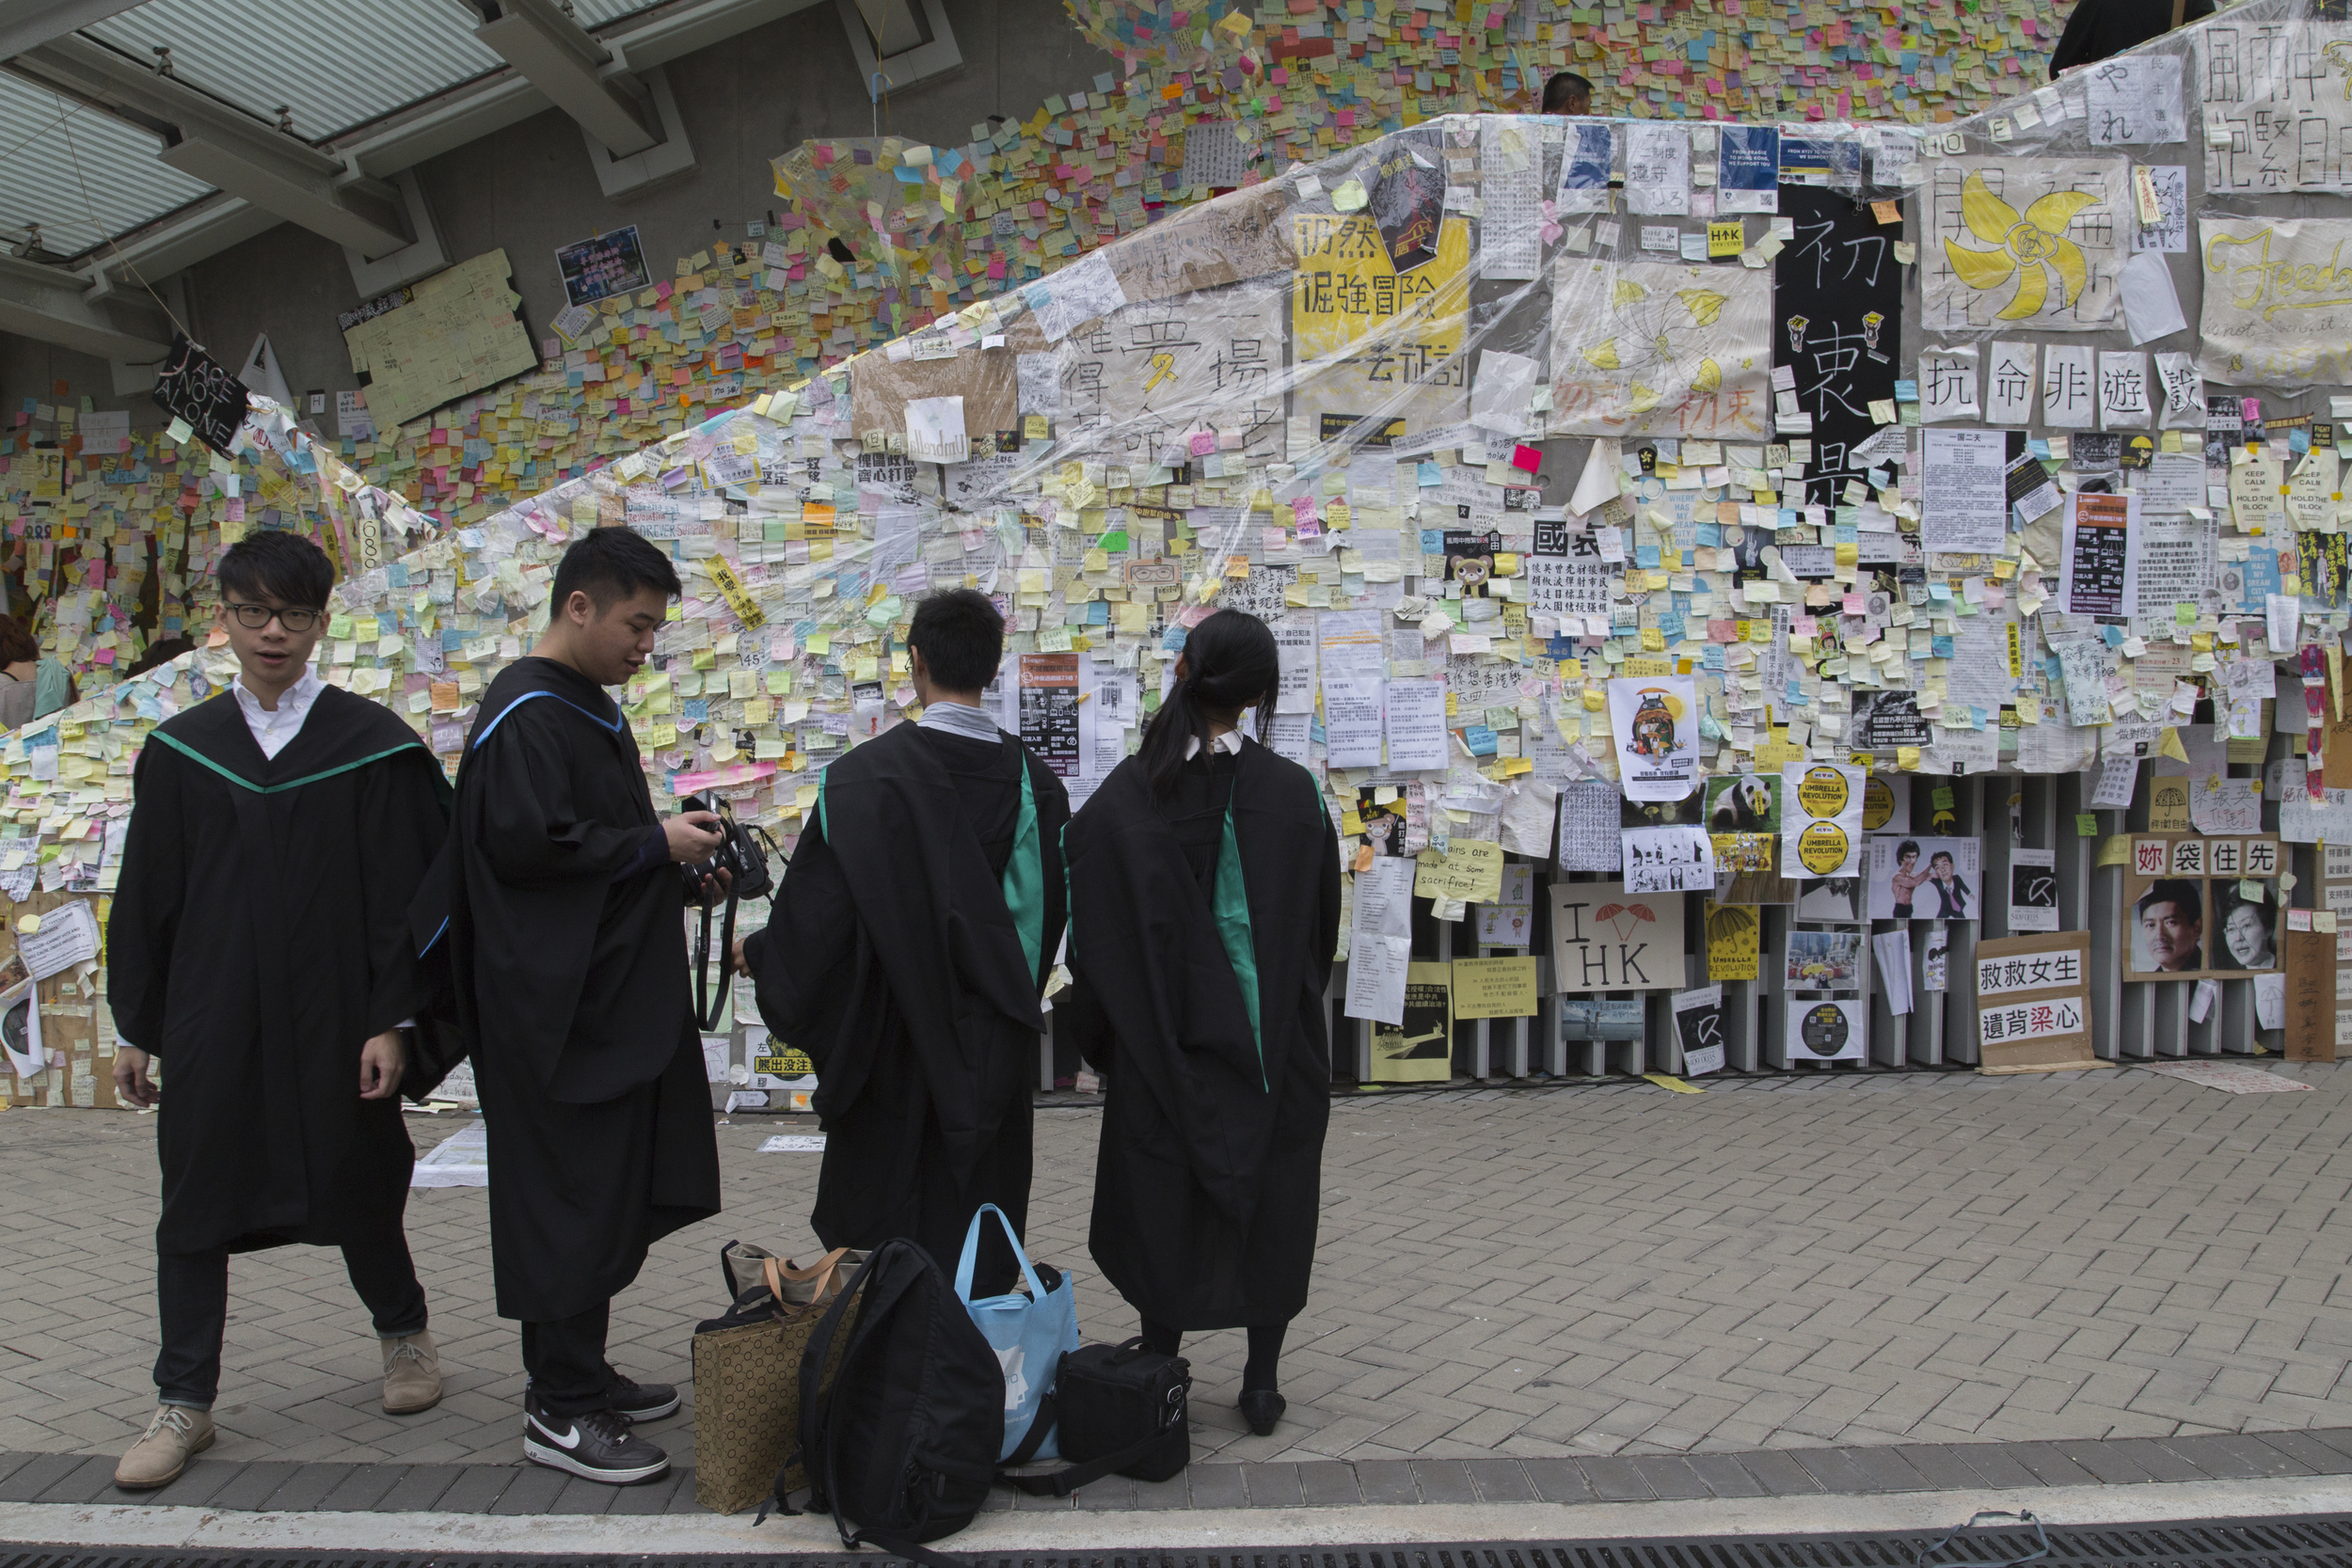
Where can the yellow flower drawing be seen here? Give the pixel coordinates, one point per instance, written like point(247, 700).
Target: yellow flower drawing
point(2031, 248)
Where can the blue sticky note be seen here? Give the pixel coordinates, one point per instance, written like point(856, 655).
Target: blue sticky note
point(696, 710)
point(1428, 474)
point(1646, 554)
point(1942, 648)
point(1481, 740)
point(1906, 391)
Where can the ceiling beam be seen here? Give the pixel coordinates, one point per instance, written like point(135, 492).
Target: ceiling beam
point(208, 140)
point(579, 74)
point(24, 23)
point(454, 119)
point(50, 305)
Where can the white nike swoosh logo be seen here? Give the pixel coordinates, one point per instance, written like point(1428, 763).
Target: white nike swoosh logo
point(568, 1440)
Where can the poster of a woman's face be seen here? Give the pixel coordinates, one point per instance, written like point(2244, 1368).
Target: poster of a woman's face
point(2249, 929)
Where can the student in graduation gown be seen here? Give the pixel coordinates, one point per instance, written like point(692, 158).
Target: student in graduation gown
point(1204, 906)
point(257, 950)
point(910, 940)
point(559, 911)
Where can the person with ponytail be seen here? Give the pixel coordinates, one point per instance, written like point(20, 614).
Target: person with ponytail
point(1205, 887)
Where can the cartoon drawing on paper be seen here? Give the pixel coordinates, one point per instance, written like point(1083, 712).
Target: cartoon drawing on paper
point(1647, 348)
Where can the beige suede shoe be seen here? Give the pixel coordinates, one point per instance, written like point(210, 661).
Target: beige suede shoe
point(176, 1435)
point(412, 1374)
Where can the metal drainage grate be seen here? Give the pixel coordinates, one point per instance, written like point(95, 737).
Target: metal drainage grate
point(2317, 1540)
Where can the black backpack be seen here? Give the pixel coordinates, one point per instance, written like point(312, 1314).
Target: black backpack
point(903, 1441)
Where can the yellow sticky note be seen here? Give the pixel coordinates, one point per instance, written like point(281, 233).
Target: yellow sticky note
point(2168, 745)
point(1907, 758)
point(2116, 849)
point(1728, 238)
point(1668, 1081)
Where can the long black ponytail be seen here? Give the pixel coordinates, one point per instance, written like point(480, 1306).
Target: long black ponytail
point(1231, 663)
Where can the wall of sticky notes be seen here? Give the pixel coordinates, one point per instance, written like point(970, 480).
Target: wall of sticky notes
point(1757, 554)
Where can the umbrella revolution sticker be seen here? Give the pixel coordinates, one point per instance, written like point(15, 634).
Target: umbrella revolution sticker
point(1820, 820)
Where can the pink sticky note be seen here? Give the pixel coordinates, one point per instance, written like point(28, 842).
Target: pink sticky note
point(1203, 442)
point(1803, 625)
point(1856, 605)
point(1303, 508)
point(1526, 458)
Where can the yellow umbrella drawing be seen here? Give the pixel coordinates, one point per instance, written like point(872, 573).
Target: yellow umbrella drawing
point(2030, 247)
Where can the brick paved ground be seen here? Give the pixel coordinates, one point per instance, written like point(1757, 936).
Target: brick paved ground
point(1780, 1264)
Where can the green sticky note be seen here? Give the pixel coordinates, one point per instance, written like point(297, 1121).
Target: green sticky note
point(2085, 825)
point(1943, 797)
point(2184, 614)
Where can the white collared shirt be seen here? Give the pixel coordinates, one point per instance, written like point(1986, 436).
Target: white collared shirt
point(973, 724)
point(274, 728)
point(1229, 743)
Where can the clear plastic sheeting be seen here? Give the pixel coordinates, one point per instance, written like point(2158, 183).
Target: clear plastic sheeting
point(1741, 457)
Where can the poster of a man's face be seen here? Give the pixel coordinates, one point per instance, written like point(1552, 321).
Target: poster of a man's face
point(2168, 927)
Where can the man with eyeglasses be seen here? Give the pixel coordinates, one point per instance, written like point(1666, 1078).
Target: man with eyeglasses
point(257, 948)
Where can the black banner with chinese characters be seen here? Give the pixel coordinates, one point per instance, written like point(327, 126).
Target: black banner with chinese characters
point(1839, 294)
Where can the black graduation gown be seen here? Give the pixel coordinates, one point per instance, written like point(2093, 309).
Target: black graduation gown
point(2100, 29)
point(891, 958)
point(571, 994)
point(258, 941)
point(1208, 1181)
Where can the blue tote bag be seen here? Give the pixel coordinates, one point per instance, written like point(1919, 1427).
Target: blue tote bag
point(1029, 1333)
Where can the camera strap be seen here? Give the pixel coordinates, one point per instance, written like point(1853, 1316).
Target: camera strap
point(705, 1011)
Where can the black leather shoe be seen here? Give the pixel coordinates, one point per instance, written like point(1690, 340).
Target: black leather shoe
point(598, 1445)
point(1261, 1408)
point(640, 1401)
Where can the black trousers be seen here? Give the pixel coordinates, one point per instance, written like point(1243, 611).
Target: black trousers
point(564, 1362)
point(192, 1290)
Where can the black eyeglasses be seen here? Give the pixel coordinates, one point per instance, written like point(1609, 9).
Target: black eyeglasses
point(255, 616)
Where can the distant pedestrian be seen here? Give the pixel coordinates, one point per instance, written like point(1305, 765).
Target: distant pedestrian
point(1567, 93)
point(1204, 881)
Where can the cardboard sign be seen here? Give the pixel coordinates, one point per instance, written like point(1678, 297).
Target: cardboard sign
point(2311, 966)
point(2033, 1003)
point(1605, 939)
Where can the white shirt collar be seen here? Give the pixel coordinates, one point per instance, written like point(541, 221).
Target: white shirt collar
point(974, 724)
point(274, 727)
point(1229, 743)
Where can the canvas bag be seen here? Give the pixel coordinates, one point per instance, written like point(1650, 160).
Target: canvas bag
point(747, 1372)
point(1029, 1333)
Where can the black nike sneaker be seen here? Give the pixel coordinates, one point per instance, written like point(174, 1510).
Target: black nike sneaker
point(599, 1445)
point(639, 1401)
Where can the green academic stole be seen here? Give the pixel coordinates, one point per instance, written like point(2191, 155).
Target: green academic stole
point(236, 778)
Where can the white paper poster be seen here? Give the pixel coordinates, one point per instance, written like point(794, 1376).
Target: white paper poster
point(1699, 1030)
point(1354, 671)
point(1963, 495)
point(1657, 169)
point(1673, 859)
point(1820, 820)
point(1654, 720)
point(2274, 313)
point(2012, 375)
point(1947, 385)
point(2070, 387)
point(2031, 242)
point(1652, 348)
point(1826, 1031)
point(1416, 732)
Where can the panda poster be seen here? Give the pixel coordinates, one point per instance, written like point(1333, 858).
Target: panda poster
point(1655, 720)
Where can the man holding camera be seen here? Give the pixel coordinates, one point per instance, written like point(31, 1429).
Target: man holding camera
point(911, 938)
point(560, 909)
